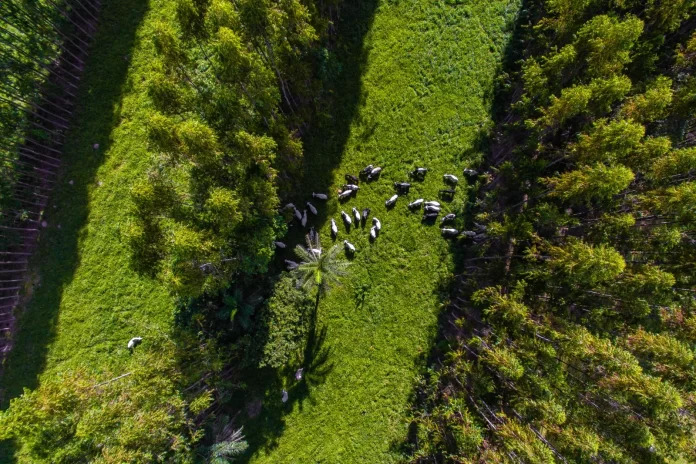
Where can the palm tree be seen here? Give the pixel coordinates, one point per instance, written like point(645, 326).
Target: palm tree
point(319, 269)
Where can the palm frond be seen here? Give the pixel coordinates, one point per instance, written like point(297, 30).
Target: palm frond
point(319, 269)
point(304, 254)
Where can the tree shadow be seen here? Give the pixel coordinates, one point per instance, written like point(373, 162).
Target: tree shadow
point(97, 113)
point(264, 393)
point(324, 144)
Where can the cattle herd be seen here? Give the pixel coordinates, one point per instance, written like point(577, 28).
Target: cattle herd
point(431, 208)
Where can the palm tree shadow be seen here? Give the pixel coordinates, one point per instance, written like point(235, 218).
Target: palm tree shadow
point(316, 359)
point(324, 145)
point(263, 432)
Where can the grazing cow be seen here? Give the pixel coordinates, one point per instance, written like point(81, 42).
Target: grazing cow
point(352, 187)
point(346, 218)
point(279, 244)
point(365, 214)
point(133, 342)
point(450, 232)
point(304, 218)
point(312, 208)
point(349, 246)
point(419, 173)
point(432, 209)
point(352, 179)
point(345, 194)
point(449, 218)
point(298, 373)
point(480, 237)
point(430, 216)
point(320, 196)
point(402, 187)
point(390, 202)
point(334, 228)
point(432, 203)
point(415, 204)
point(298, 215)
point(470, 172)
point(291, 264)
point(377, 224)
point(451, 179)
point(447, 192)
point(468, 234)
point(289, 205)
point(367, 169)
point(284, 396)
point(312, 234)
point(356, 214)
point(374, 173)
point(373, 233)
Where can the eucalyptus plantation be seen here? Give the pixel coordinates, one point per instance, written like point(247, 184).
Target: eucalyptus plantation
point(571, 336)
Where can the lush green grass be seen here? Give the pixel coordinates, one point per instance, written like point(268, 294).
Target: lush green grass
point(415, 91)
point(86, 303)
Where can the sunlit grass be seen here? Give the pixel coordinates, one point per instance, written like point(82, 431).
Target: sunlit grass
point(425, 98)
point(86, 303)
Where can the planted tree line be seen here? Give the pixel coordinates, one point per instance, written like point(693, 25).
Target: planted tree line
point(43, 48)
point(570, 333)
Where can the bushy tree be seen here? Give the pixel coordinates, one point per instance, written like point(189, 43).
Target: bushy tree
point(76, 416)
point(606, 43)
point(585, 264)
point(587, 183)
point(283, 325)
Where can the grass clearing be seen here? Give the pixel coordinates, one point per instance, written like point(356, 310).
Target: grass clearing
point(86, 304)
point(416, 90)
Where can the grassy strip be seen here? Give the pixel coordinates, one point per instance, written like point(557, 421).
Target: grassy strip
point(415, 90)
point(85, 303)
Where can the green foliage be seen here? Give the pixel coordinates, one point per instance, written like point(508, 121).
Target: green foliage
point(586, 264)
point(676, 200)
point(666, 353)
point(505, 310)
point(572, 102)
point(588, 183)
point(609, 141)
point(227, 452)
point(606, 43)
point(584, 351)
point(606, 92)
point(676, 163)
point(284, 324)
point(140, 417)
point(229, 443)
point(653, 104)
point(504, 362)
point(668, 14)
point(224, 78)
point(32, 42)
point(319, 269)
point(523, 442)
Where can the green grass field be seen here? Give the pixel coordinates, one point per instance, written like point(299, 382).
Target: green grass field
point(415, 90)
point(86, 303)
